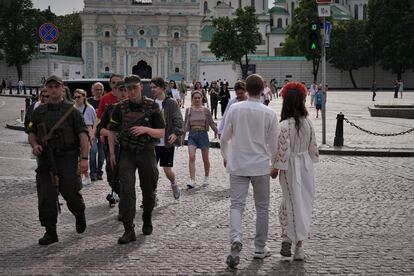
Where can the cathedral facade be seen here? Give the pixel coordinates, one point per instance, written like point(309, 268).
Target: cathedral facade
point(170, 38)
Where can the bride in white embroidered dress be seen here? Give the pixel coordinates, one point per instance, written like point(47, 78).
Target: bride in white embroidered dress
point(297, 151)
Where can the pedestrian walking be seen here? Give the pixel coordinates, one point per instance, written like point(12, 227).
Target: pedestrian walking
point(273, 88)
point(139, 125)
point(297, 151)
point(57, 134)
point(102, 133)
point(318, 100)
point(164, 151)
point(249, 147)
point(374, 90)
point(312, 90)
point(197, 86)
point(183, 92)
point(224, 97)
point(214, 98)
point(174, 93)
point(197, 122)
point(89, 116)
point(400, 88)
point(241, 95)
point(96, 154)
point(396, 88)
point(266, 95)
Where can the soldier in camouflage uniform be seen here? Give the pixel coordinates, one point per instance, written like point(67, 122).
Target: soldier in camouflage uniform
point(58, 159)
point(140, 125)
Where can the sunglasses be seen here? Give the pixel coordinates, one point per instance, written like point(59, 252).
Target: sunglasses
point(77, 97)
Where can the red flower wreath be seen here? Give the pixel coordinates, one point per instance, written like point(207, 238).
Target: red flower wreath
point(295, 86)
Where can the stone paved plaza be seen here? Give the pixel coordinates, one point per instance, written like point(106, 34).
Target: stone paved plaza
point(362, 223)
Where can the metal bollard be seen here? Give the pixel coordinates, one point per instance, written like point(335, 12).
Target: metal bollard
point(339, 132)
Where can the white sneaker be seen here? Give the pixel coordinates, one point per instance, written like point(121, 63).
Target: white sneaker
point(191, 184)
point(299, 254)
point(205, 182)
point(262, 254)
point(86, 180)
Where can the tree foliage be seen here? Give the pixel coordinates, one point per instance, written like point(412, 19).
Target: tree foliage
point(18, 33)
point(392, 28)
point(299, 31)
point(70, 38)
point(350, 46)
point(236, 38)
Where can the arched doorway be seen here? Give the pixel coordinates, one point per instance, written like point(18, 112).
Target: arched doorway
point(143, 70)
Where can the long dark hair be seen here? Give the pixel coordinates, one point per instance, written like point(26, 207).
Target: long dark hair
point(294, 95)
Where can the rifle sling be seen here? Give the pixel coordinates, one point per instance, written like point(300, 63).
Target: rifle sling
point(59, 122)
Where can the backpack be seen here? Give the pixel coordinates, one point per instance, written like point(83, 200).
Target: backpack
point(318, 98)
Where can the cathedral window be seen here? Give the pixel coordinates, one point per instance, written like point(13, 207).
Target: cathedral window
point(279, 23)
point(240, 3)
point(356, 12)
point(253, 4)
point(131, 42)
point(141, 32)
point(106, 69)
point(364, 12)
point(205, 7)
point(107, 33)
point(176, 35)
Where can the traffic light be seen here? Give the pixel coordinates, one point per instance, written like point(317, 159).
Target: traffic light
point(314, 43)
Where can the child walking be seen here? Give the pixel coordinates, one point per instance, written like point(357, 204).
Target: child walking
point(297, 151)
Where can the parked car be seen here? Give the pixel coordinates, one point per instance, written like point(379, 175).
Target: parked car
point(86, 84)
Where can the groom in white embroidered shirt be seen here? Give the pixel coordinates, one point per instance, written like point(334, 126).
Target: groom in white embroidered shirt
point(249, 146)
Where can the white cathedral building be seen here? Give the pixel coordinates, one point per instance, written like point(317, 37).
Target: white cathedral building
point(170, 38)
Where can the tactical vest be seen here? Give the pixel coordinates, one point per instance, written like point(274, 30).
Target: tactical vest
point(140, 117)
point(64, 139)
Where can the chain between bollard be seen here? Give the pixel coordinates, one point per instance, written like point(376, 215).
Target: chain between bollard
point(376, 133)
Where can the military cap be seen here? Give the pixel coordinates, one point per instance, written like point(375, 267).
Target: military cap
point(55, 79)
point(120, 84)
point(132, 80)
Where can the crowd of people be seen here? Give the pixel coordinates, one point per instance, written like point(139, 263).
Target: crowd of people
point(73, 138)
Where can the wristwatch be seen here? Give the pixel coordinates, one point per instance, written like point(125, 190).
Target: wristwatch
point(85, 158)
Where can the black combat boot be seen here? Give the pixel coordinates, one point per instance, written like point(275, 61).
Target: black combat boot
point(128, 236)
point(80, 224)
point(147, 224)
point(50, 236)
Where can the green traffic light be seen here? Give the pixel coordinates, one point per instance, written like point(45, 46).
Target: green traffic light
point(313, 46)
point(314, 27)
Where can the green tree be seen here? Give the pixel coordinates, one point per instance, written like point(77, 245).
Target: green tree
point(70, 38)
point(297, 42)
point(392, 27)
point(350, 46)
point(236, 38)
point(18, 33)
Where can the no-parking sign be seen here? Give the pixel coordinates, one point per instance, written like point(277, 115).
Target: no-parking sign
point(48, 33)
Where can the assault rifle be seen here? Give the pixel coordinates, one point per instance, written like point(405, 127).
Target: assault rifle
point(48, 151)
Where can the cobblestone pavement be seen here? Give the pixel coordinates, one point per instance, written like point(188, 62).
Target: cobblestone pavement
point(362, 223)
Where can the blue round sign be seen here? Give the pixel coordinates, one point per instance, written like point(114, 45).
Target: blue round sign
point(48, 33)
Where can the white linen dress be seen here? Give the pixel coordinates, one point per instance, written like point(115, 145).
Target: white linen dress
point(297, 151)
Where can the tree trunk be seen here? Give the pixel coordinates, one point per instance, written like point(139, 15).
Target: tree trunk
point(315, 69)
point(352, 78)
point(19, 71)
